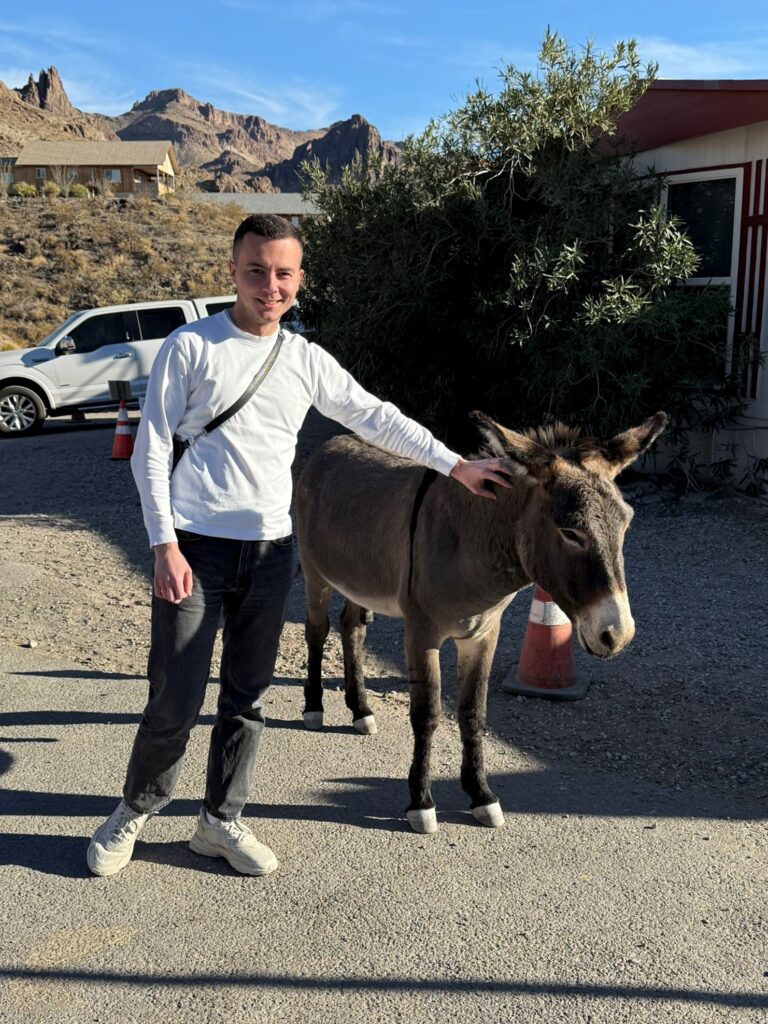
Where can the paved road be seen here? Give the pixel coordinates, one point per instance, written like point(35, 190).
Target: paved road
point(607, 897)
point(652, 913)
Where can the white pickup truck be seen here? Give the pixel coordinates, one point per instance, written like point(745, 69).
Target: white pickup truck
point(70, 369)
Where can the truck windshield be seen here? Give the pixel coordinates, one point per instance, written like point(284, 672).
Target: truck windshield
point(57, 330)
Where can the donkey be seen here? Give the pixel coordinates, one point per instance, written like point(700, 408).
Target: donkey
point(399, 540)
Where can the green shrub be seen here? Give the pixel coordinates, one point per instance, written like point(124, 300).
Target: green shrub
point(515, 262)
point(22, 188)
point(51, 189)
point(78, 191)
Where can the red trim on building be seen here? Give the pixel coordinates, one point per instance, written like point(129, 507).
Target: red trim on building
point(742, 262)
point(764, 249)
point(673, 110)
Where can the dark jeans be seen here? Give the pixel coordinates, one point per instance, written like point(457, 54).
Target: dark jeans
point(249, 582)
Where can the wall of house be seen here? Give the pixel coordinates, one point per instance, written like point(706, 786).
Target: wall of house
point(744, 151)
point(84, 176)
point(166, 165)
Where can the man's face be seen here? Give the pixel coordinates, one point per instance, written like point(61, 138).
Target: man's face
point(266, 274)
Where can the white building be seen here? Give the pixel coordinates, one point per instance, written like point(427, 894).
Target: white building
point(710, 141)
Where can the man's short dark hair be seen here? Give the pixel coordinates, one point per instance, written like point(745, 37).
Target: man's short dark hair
point(267, 225)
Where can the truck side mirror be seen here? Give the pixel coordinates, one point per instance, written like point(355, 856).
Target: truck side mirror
point(65, 345)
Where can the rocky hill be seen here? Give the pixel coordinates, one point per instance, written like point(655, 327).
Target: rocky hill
point(217, 150)
point(60, 255)
point(41, 110)
point(344, 143)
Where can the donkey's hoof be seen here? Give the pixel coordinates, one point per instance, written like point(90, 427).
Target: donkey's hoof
point(366, 726)
point(313, 720)
point(423, 821)
point(489, 814)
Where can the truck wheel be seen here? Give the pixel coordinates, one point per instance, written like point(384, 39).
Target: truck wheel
point(22, 411)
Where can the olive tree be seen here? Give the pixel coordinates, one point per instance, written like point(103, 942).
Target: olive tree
point(515, 260)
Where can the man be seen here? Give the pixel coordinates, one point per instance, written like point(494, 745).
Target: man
point(220, 530)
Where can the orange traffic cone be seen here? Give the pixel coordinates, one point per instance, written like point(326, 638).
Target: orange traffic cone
point(122, 446)
point(547, 667)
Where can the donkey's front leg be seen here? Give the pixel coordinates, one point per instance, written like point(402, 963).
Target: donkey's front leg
point(475, 656)
point(423, 658)
point(353, 622)
point(318, 595)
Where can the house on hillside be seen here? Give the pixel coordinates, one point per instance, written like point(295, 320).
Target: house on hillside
point(291, 205)
point(709, 140)
point(124, 168)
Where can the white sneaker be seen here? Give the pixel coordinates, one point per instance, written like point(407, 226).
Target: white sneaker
point(112, 845)
point(235, 842)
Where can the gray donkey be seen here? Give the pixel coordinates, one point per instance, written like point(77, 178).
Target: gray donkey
point(396, 539)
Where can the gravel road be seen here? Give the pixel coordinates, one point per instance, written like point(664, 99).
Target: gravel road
point(670, 738)
point(673, 707)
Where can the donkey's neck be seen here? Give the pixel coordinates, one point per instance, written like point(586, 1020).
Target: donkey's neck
point(488, 534)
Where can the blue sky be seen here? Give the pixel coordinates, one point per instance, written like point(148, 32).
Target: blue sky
point(306, 63)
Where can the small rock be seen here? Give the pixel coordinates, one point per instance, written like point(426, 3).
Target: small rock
point(31, 643)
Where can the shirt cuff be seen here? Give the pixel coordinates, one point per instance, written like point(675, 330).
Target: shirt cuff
point(162, 534)
point(444, 460)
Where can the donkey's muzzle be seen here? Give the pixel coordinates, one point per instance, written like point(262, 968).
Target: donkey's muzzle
point(607, 626)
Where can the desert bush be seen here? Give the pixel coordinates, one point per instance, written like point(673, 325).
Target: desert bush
point(22, 188)
point(67, 256)
point(515, 262)
point(51, 189)
point(78, 191)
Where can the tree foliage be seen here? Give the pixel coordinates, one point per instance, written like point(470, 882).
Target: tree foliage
point(515, 261)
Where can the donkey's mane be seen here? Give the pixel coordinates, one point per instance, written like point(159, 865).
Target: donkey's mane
point(563, 440)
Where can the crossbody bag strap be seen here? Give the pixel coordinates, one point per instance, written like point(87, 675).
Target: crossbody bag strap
point(255, 384)
point(180, 445)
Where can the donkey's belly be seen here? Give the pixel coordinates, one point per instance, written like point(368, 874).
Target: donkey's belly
point(381, 604)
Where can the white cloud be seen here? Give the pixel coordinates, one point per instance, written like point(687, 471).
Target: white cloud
point(705, 60)
point(43, 32)
point(291, 104)
point(97, 95)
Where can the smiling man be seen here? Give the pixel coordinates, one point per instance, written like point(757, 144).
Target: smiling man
point(220, 528)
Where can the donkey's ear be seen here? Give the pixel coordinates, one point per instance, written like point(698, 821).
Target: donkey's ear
point(525, 454)
point(493, 434)
point(623, 449)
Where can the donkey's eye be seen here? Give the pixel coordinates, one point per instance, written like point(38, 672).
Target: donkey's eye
point(574, 537)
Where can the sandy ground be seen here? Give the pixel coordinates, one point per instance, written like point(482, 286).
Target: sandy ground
point(626, 885)
point(76, 564)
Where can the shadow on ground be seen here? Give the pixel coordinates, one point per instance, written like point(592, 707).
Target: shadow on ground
point(685, 708)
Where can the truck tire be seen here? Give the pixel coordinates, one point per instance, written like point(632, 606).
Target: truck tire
point(22, 411)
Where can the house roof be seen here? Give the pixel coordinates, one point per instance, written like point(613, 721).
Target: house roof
point(673, 110)
point(285, 204)
point(95, 154)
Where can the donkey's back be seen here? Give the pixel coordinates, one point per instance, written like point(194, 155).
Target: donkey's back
point(353, 509)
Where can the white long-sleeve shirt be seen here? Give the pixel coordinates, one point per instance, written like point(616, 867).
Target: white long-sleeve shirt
point(236, 481)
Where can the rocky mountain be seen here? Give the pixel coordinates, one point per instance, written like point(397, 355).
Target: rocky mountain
point(201, 133)
point(48, 93)
point(344, 143)
point(41, 110)
point(217, 150)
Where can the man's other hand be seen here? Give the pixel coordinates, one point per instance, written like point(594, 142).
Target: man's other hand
point(474, 473)
point(173, 576)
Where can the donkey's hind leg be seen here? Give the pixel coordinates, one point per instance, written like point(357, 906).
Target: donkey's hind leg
point(422, 651)
point(353, 622)
point(475, 656)
point(318, 597)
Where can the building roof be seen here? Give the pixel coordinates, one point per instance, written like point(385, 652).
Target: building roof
point(673, 110)
point(85, 153)
point(285, 204)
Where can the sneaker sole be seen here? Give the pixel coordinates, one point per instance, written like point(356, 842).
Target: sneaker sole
point(102, 870)
point(244, 867)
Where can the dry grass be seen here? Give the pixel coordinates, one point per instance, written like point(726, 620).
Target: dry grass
point(61, 255)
